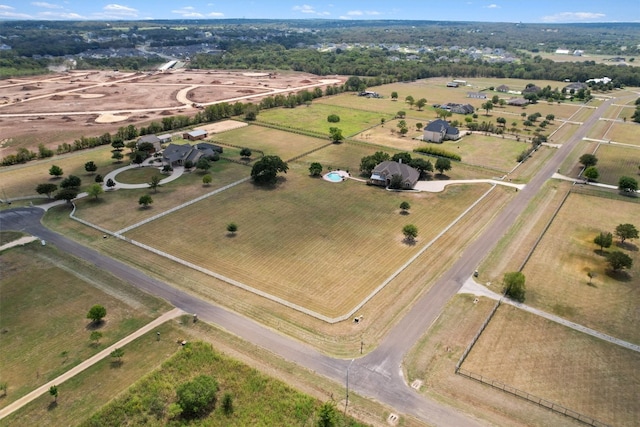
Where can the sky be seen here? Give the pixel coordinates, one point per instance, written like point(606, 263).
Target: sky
point(528, 11)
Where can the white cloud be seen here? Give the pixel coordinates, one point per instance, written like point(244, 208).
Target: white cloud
point(60, 15)
point(361, 13)
point(5, 7)
point(46, 5)
point(188, 12)
point(573, 16)
point(305, 8)
point(492, 6)
point(215, 14)
point(118, 10)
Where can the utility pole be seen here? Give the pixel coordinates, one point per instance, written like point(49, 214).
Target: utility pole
point(346, 403)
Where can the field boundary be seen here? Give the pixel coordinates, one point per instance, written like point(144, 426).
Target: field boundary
point(532, 398)
point(258, 292)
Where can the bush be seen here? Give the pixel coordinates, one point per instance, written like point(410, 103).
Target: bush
point(333, 118)
point(437, 151)
point(197, 397)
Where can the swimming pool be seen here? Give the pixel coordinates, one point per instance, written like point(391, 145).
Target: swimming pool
point(333, 177)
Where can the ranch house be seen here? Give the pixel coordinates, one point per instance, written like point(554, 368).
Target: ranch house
point(178, 155)
point(439, 131)
point(382, 174)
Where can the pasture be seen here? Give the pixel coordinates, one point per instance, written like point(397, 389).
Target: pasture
point(312, 241)
point(615, 161)
point(45, 299)
point(626, 133)
point(314, 118)
point(556, 273)
point(433, 359)
point(548, 360)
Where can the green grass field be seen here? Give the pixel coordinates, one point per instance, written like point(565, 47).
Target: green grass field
point(577, 371)
point(45, 299)
point(615, 161)
point(610, 303)
point(302, 244)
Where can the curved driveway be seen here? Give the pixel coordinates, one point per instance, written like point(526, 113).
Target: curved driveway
point(378, 375)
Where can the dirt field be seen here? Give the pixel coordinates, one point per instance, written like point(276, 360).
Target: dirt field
point(51, 110)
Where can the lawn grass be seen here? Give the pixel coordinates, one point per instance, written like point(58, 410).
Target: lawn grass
point(332, 231)
point(433, 359)
point(278, 403)
point(548, 360)
point(492, 152)
point(615, 161)
point(9, 236)
point(140, 175)
point(556, 273)
point(286, 145)
point(626, 133)
point(45, 298)
point(314, 118)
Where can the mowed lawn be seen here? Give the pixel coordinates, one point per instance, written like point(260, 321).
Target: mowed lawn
point(321, 245)
point(286, 145)
point(556, 273)
point(553, 362)
point(615, 161)
point(314, 118)
point(45, 299)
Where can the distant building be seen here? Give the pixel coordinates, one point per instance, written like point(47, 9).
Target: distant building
point(195, 135)
point(532, 89)
point(176, 154)
point(562, 51)
point(166, 138)
point(477, 95)
point(151, 139)
point(576, 86)
point(503, 88)
point(452, 84)
point(369, 94)
point(458, 108)
point(518, 102)
point(439, 130)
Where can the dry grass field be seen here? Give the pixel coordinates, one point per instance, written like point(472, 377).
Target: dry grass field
point(556, 363)
point(615, 161)
point(610, 303)
point(626, 133)
point(599, 130)
point(48, 317)
point(304, 238)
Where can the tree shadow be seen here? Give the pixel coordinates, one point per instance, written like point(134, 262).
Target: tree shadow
point(628, 246)
point(115, 364)
point(53, 405)
point(441, 177)
point(231, 235)
point(409, 241)
point(92, 326)
point(600, 252)
point(403, 212)
point(619, 275)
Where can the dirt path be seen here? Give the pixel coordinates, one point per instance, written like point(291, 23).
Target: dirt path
point(9, 409)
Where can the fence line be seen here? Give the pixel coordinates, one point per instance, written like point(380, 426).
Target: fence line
point(531, 398)
point(467, 350)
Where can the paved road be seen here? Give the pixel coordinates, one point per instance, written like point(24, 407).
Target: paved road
point(377, 375)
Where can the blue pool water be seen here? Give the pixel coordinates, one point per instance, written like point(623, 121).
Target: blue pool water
point(334, 177)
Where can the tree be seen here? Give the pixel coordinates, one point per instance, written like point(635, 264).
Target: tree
point(227, 404)
point(487, 106)
point(550, 117)
point(206, 180)
point(145, 201)
point(423, 166)
point(71, 181)
point(53, 391)
point(111, 183)
point(95, 337)
point(401, 114)
point(117, 354)
point(117, 156)
point(118, 145)
point(138, 157)
point(315, 169)
point(245, 153)
point(618, 260)
point(55, 171)
point(627, 184)
point(95, 190)
point(265, 170)
point(405, 206)
point(67, 194)
point(154, 183)
point(626, 231)
point(495, 99)
point(588, 160)
point(368, 163)
point(591, 173)
point(333, 118)
point(514, 286)
point(90, 167)
point(501, 121)
point(99, 179)
point(395, 183)
point(335, 134)
point(47, 189)
point(410, 232)
point(197, 397)
point(203, 164)
point(232, 227)
point(420, 103)
point(97, 313)
point(442, 165)
point(409, 100)
point(394, 96)
point(604, 240)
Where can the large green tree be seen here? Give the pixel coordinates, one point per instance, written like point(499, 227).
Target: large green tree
point(618, 260)
point(95, 190)
point(443, 165)
point(315, 169)
point(410, 232)
point(588, 160)
point(90, 166)
point(627, 184)
point(46, 188)
point(71, 181)
point(368, 163)
point(198, 396)
point(514, 285)
point(67, 194)
point(626, 231)
point(591, 173)
point(604, 240)
point(145, 200)
point(335, 134)
point(55, 171)
point(265, 170)
point(97, 313)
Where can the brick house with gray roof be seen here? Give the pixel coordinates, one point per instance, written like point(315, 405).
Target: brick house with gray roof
point(382, 174)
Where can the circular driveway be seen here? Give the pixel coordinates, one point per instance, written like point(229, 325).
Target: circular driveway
point(177, 173)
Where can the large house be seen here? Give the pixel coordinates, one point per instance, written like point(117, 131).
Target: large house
point(503, 88)
point(439, 131)
point(151, 139)
point(477, 95)
point(176, 154)
point(518, 102)
point(458, 108)
point(383, 173)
